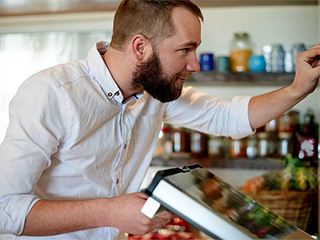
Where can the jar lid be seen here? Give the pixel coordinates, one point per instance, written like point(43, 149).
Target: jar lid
point(241, 34)
point(285, 135)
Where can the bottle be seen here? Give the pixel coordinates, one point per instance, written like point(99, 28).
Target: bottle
point(241, 49)
point(198, 144)
point(307, 139)
point(215, 147)
point(181, 142)
point(266, 144)
point(285, 144)
point(167, 142)
point(252, 146)
point(238, 148)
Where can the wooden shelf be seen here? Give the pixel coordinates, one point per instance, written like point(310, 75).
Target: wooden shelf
point(240, 163)
point(215, 78)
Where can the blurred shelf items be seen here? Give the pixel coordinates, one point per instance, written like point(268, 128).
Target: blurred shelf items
point(265, 149)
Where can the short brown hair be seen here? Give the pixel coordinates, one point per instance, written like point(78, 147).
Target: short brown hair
point(151, 18)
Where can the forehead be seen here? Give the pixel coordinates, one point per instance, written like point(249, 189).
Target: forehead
point(187, 28)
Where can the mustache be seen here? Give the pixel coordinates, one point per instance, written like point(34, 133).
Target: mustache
point(186, 75)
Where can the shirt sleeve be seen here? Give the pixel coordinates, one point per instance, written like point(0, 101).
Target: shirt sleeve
point(37, 121)
point(202, 112)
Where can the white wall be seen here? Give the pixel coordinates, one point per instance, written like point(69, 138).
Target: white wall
point(266, 25)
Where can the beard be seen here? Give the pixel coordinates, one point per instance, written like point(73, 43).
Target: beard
point(149, 76)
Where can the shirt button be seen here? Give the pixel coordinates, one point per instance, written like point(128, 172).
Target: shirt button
point(125, 146)
point(117, 181)
point(117, 93)
point(110, 94)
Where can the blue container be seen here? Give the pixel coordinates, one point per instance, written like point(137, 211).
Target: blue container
point(206, 62)
point(257, 63)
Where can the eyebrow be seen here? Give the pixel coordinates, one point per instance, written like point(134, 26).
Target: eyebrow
point(190, 44)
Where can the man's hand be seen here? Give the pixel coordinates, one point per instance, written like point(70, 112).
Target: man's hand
point(307, 71)
point(125, 214)
point(266, 107)
point(56, 217)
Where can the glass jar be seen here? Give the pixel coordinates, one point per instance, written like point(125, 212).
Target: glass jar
point(198, 144)
point(180, 140)
point(252, 146)
point(271, 126)
point(238, 148)
point(285, 143)
point(240, 52)
point(215, 147)
point(167, 141)
point(288, 122)
point(266, 144)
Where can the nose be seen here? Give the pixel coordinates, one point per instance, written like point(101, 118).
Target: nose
point(193, 64)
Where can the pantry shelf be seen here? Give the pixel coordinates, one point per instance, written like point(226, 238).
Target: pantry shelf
point(239, 163)
point(215, 78)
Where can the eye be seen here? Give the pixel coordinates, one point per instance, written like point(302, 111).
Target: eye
point(184, 50)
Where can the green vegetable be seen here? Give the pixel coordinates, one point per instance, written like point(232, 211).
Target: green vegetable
point(295, 176)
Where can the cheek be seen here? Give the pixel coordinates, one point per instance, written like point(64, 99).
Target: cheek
point(173, 67)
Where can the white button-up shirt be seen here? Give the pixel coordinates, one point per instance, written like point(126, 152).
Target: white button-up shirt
point(71, 137)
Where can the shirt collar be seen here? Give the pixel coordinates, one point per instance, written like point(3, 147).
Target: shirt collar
point(102, 74)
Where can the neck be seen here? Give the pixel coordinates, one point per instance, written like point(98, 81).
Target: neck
point(120, 69)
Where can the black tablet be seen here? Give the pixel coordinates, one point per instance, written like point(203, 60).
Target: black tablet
point(215, 207)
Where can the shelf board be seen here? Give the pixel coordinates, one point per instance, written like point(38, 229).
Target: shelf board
point(214, 78)
point(239, 163)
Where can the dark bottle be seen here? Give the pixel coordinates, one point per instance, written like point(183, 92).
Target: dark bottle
point(307, 139)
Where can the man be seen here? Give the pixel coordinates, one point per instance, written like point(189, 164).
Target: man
point(82, 134)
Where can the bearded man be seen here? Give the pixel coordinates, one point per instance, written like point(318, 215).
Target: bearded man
point(82, 134)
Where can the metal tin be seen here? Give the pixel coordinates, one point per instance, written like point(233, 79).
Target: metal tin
point(288, 58)
point(277, 58)
point(267, 49)
point(297, 48)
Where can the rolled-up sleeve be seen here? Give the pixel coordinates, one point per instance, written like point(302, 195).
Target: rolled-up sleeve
point(202, 112)
point(33, 135)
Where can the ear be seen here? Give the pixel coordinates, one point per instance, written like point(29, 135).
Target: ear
point(140, 47)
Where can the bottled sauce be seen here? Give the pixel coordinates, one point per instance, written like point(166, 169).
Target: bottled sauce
point(266, 144)
point(167, 142)
point(252, 146)
point(238, 148)
point(288, 122)
point(198, 144)
point(241, 49)
point(180, 140)
point(285, 143)
point(215, 147)
point(271, 126)
point(307, 141)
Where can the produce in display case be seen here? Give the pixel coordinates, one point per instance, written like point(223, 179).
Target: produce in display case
point(215, 207)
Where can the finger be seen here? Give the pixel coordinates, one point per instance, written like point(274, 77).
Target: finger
point(311, 53)
point(165, 215)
